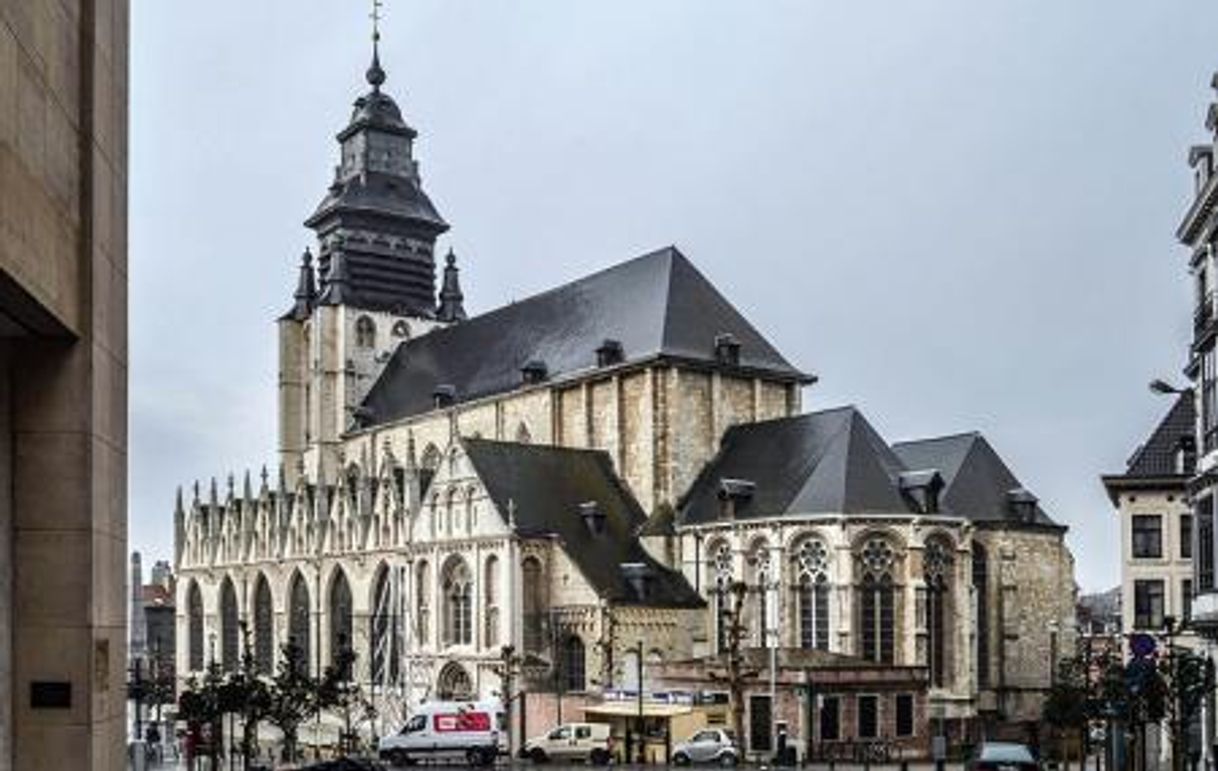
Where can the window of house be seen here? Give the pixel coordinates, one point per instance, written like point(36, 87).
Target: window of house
point(1203, 565)
point(1147, 536)
point(869, 717)
point(830, 719)
point(1209, 399)
point(1186, 536)
point(1148, 604)
point(905, 715)
point(1186, 600)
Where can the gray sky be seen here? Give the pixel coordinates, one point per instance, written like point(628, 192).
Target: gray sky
point(959, 214)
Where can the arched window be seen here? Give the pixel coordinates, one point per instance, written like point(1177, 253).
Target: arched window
point(522, 434)
point(574, 678)
point(229, 633)
point(428, 467)
point(458, 603)
point(490, 601)
point(194, 613)
point(422, 601)
point(532, 604)
point(877, 601)
point(721, 569)
point(981, 582)
point(450, 515)
point(365, 332)
point(937, 572)
point(298, 622)
point(340, 622)
point(812, 594)
point(386, 629)
point(264, 631)
point(759, 581)
point(454, 683)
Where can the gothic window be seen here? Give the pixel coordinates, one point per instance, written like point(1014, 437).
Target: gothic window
point(422, 601)
point(981, 580)
point(759, 580)
point(365, 332)
point(458, 600)
point(386, 625)
point(490, 600)
point(194, 612)
point(937, 572)
point(298, 621)
point(812, 591)
point(721, 567)
point(229, 633)
point(428, 467)
point(533, 604)
point(264, 642)
point(573, 664)
point(340, 622)
point(450, 504)
point(877, 600)
point(454, 683)
point(471, 513)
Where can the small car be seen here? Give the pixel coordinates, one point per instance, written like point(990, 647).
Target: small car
point(1003, 756)
point(710, 745)
point(589, 742)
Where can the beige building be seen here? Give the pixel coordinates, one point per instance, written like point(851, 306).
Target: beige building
point(63, 384)
point(579, 475)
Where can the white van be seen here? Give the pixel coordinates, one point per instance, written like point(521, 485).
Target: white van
point(588, 742)
point(448, 731)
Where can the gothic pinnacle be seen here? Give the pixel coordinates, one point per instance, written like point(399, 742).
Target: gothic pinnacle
point(452, 306)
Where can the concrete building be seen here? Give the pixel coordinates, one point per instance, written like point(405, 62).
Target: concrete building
point(564, 475)
point(63, 383)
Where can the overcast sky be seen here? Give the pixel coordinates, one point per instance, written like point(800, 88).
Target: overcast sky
point(960, 215)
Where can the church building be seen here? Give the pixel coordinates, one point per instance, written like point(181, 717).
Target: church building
point(580, 475)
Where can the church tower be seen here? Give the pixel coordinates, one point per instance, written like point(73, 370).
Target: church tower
point(374, 285)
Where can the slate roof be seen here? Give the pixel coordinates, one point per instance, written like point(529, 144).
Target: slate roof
point(656, 306)
point(546, 486)
point(834, 462)
point(976, 479)
point(830, 462)
point(1157, 456)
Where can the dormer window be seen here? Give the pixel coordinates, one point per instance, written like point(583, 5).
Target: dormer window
point(638, 576)
point(534, 372)
point(727, 349)
point(1022, 505)
point(1186, 455)
point(609, 353)
point(735, 494)
point(922, 488)
point(445, 395)
point(593, 517)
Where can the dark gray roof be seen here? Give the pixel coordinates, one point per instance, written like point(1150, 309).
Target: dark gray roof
point(1157, 456)
point(977, 482)
point(830, 462)
point(546, 486)
point(657, 305)
point(834, 462)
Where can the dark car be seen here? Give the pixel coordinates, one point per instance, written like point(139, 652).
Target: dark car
point(1003, 756)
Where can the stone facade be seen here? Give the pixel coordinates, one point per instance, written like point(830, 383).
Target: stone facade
point(63, 383)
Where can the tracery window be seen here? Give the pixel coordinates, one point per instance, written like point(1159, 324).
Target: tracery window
point(264, 632)
point(812, 591)
point(937, 562)
point(365, 332)
point(721, 565)
point(490, 600)
point(229, 634)
point(981, 582)
point(458, 610)
point(877, 601)
point(428, 467)
point(532, 604)
point(386, 629)
point(194, 612)
point(422, 601)
point(573, 658)
point(298, 621)
point(760, 578)
point(340, 622)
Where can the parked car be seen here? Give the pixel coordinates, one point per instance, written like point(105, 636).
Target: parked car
point(447, 731)
point(589, 742)
point(710, 745)
point(1003, 756)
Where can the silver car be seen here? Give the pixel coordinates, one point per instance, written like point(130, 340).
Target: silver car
point(710, 745)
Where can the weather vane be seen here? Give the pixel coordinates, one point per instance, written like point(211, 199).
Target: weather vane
point(376, 20)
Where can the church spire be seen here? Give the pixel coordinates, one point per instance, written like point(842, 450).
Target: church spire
point(451, 298)
point(338, 281)
point(305, 296)
point(376, 75)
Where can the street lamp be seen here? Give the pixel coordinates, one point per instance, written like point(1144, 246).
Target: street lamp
point(1160, 386)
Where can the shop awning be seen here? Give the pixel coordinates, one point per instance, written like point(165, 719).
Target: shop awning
point(631, 709)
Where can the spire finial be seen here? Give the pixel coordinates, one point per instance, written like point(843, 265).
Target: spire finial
point(376, 76)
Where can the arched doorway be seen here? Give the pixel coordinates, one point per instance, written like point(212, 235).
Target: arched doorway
point(454, 683)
